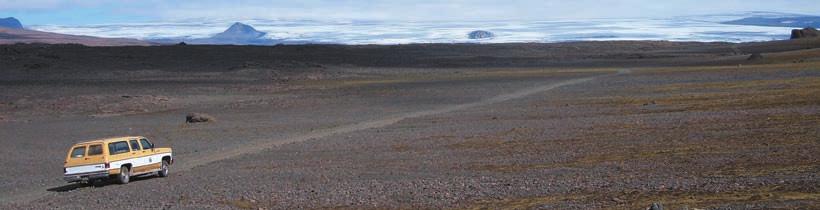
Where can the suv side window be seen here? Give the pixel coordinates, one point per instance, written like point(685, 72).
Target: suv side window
point(95, 150)
point(146, 144)
point(118, 147)
point(78, 152)
point(134, 145)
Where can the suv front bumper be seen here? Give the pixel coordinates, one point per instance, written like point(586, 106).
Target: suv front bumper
point(85, 176)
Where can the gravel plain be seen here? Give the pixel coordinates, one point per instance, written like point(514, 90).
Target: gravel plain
point(693, 135)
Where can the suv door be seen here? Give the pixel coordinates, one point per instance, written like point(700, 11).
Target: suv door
point(148, 150)
point(141, 158)
point(117, 152)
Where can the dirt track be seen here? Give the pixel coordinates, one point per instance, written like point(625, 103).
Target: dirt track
point(342, 129)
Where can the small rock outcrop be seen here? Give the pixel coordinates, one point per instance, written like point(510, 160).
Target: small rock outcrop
point(10, 22)
point(198, 118)
point(805, 33)
point(755, 57)
point(480, 35)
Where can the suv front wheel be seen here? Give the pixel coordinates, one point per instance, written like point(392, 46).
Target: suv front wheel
point(124, 176)
point(163, 170)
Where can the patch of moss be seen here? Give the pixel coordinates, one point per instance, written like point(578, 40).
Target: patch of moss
point(242, 204)
point(525, 203)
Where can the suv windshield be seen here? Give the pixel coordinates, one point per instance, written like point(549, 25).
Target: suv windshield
point(118, 147)
point(78, 152)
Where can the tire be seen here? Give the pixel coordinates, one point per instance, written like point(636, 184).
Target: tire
point(163, 170)
point(124, 176)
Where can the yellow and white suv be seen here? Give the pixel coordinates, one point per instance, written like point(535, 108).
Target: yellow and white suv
point(119, 158)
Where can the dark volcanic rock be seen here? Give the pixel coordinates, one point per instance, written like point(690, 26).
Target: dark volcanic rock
point(198, 118)
point(239, 31)
point(804, 33)
point(480, 34)
point(10, 22)
point(755, 57)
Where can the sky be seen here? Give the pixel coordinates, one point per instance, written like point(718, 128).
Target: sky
point(79, 12)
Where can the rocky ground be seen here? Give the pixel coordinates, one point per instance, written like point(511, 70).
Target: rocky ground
point(713, 131)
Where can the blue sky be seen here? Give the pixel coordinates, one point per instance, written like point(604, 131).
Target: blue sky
point(77, 12)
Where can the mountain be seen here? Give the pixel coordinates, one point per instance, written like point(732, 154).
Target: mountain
point(13, 36)
point(239, 31)
point(795, 21)
point(10, 22)
point(236, 34)
point(480, 35)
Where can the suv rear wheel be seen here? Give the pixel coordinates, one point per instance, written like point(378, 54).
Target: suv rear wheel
point(163, 170)
point(124, 176)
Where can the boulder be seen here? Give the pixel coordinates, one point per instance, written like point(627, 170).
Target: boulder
point(480, 34)
point(198, 118)
point(10, 22)
point(804, 33)
point(755, 57)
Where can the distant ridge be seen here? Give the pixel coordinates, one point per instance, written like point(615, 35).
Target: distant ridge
point(790, 21)
point(14, 36)
point(10, 22)
point(12, 32)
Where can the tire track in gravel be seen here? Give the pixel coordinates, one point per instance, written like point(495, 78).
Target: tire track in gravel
point(265, 145)
point(261, 146)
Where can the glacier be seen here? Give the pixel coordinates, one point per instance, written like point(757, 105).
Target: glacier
point(699, 28)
